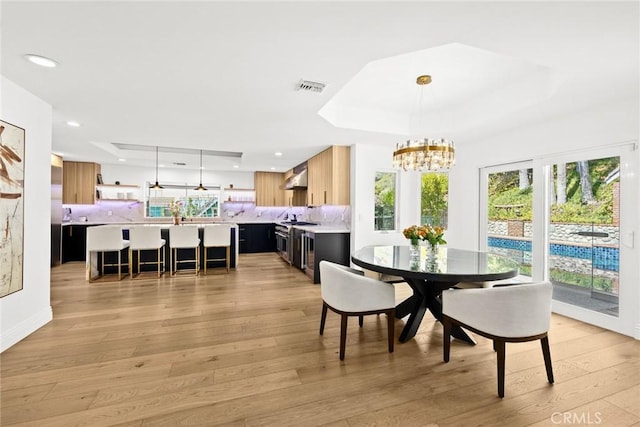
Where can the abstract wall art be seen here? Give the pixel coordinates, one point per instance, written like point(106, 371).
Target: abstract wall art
point(12, 148)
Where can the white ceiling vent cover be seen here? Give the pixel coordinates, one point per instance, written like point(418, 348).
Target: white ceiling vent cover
point(310, 86)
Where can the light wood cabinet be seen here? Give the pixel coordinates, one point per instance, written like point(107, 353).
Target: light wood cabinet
point(79, 181)
point(329, 177)
point(268, 191)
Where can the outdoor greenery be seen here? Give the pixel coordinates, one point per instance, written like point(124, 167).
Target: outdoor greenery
point(583, 280)
point(385, 201)
point(434, 198)
point(508, 199)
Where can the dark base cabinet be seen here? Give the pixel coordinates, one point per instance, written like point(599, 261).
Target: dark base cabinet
point(332, 247)
point(74, 243)
point(257, 238)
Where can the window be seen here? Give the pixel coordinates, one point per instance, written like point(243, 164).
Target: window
point(434, 199)
point(194, 204)
point(385, 201)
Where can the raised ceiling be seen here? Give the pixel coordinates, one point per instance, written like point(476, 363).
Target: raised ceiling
point(222, 75)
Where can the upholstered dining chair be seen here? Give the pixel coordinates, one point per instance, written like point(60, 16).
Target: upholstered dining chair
point(146, 238)
point(516, 313)
point(217, 236)
point(349, 293)
point(183, 237)
point(106, 238)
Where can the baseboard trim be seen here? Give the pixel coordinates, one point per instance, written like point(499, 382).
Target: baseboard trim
point(25, 328)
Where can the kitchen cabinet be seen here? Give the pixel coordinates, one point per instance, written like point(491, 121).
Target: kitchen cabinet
point(268, 189)
point(332, 247)
point(74, 243)
point(329, 177)
point(79, 181)
point(257, 238)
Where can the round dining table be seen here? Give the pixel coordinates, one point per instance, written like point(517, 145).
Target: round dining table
point(429, 276)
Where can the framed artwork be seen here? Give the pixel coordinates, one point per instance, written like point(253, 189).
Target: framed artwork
point(12, 140)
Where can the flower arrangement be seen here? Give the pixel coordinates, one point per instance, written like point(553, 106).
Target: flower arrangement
point(435, 235)
point(176, 208)
point(432, 234)
point(415, 233)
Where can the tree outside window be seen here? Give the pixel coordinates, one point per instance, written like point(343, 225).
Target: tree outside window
point(435, 194)
point(385, 201)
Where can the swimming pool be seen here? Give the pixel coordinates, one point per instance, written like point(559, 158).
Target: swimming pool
point(603, 257)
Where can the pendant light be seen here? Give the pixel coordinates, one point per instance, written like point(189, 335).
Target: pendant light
point(157, 186)
point(200, 187)
point(424, 154)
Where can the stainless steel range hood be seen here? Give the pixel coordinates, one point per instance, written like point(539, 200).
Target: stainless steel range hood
point(296, 181)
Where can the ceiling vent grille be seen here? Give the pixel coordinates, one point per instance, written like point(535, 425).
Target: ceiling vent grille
point(308, 85)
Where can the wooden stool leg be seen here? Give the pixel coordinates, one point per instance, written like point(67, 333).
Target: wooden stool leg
point(228, 257)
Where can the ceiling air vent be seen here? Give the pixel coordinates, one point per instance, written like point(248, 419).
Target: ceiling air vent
point(310, 86)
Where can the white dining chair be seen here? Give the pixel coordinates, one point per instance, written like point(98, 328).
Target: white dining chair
point(517, 313)
point(106, 238)
point(350, 293)
point(217, 236)
point(183, 237)
point(146, 238)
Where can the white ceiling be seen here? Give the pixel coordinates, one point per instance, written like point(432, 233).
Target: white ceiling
point(221, 75)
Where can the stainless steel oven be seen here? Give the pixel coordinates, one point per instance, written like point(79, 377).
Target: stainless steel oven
point(283, 242)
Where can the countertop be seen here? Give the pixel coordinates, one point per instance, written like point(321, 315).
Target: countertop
point(319, 228)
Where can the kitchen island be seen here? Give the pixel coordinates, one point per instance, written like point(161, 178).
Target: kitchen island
point(93, 261)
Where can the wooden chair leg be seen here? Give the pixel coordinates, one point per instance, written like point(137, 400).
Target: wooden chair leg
point(390, 328)
point(446, 338)
point(501, 356)
point(197, 267)
point(546, 352)
point(205, 260)
point(130, 262)
point(361, 320)
point(343, 335)
point(228, 257)
point(323, 317)
point(119, 265)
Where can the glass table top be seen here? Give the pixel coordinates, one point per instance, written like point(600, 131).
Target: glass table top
point(449, 264)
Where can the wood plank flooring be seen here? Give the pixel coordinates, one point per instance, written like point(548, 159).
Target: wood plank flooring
point(242, 349)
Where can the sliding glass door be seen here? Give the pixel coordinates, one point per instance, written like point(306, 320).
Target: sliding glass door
point(508, 213)
point(569, 219)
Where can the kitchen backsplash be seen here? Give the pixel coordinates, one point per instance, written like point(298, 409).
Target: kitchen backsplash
point(122, 212)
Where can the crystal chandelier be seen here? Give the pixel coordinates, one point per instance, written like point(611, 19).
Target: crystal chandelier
point(424, 154)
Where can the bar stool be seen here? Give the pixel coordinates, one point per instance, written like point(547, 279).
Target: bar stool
point(145, 238)
point(217, 236)
point(183, 237)
point(106, 238)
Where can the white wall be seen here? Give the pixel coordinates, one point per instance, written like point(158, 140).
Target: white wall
point(25, 311)
point(605, 125)
point(365, 162)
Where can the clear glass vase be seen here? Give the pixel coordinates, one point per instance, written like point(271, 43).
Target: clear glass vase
point(432, 251)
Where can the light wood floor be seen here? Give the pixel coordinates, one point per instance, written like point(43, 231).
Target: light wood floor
point(242, 349)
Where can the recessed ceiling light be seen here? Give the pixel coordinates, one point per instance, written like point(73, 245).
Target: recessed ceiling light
point(278, 154)
point(73, 124)
point(236, 166)
point(160, 165)
point(41, 60)
point(272, 168)
point(122, 160)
